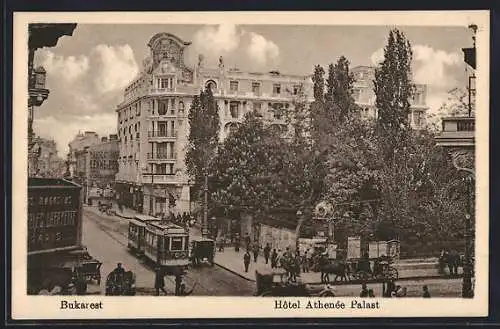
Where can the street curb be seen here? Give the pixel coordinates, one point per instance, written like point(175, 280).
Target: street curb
point(234, 272)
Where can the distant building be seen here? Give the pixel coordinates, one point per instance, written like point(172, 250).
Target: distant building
point(97, 164)
point(364, 96)
point(49, 164)
point(76, 146)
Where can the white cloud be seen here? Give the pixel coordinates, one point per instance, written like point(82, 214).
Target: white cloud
point(262, 50)
point(377, 57)
point(116, 67)
point(69, 68)
point(237, 45)
point(63, 131)
point(430, 66)
point(223, 38)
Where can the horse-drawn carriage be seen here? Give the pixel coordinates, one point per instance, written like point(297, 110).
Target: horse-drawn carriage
point(360, 269)
point(277, 283)
point(90, 271)
point(202, 250)
point(120, 284)
point(352, 266)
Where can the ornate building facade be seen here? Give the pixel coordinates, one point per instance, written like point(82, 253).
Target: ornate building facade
point(153, 126)
point(364, 96)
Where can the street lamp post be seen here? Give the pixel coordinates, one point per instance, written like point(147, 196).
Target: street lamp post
point(204, 225)
point(467, 291)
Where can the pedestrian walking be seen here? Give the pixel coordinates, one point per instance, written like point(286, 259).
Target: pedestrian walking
point(159, 281)
point(247, 241)
point(364, 291)
point(255, 252)
point(267, 252)
point(237, 243)
point(182, 290)
point(246, 260)
point(426, 293)
point(279, 258)
point(178, 282)
point(274, 259)
point(305, 262)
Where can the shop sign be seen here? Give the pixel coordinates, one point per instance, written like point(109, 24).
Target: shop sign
point(53, 218)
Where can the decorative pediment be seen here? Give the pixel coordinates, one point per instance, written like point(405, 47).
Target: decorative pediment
point(166, 45)
point(165, 66)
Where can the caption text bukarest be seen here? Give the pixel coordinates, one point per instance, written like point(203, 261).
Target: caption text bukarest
point(76, 305)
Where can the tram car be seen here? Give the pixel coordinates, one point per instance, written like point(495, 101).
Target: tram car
point(166, 245)
point(137, 231)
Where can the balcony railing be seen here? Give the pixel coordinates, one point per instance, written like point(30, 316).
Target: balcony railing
point(158, 178)
point(162, 134)
point(162, 156)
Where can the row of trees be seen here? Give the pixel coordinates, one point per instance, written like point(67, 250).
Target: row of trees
point(383, 178)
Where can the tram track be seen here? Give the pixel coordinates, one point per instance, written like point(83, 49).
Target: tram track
point(203, 279)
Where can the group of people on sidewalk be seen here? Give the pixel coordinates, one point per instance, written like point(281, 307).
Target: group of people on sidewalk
point(292, 263)
point(391, 290)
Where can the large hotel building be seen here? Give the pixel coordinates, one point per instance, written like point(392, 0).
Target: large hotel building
point(153, 124)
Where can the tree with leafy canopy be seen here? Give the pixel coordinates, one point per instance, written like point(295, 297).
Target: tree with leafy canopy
point(203, 137)
point(393, 90)
point(244, 165)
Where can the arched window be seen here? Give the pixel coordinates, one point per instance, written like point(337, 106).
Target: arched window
point(212, 85)
point(181, 106)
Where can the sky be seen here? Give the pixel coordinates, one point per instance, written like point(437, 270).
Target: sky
point(87, 72)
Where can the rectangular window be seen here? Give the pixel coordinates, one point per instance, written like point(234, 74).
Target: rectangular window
point(296, 89)
point(417, 118)
point(256, 88)
point(171, 168)
point(172, 131)
point(161, 169)
point(176, 244)
point(161, 150)
point(163, 83)
point(172, 105)
point(233, 86)
point(257, 108)
point(278, 110)
point(355, 94)
point(234, 109)
point(276, 89)
point(171, 154)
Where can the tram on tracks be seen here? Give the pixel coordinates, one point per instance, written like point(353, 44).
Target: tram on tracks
point(161, 242)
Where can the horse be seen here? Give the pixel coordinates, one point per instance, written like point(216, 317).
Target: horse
point(339, 268)
point(291, 266)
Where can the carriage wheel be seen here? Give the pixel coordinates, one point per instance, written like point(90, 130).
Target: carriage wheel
point(327, 294)
point(266, 294)
point(361, 275)
point(393, 273)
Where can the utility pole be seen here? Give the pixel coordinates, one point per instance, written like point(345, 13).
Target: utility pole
point(204, 225)
point(467, 291)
